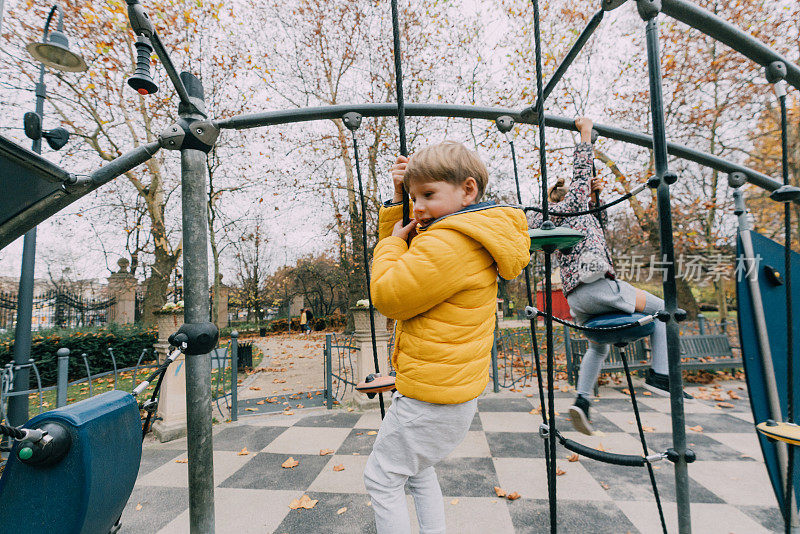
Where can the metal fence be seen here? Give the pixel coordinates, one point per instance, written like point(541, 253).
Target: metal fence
point(340, 358)
point(124, 379)
point(57, 308)
point(512, 356)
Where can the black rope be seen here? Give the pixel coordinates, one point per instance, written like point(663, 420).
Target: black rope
point(401, 107)
point(551, 467)
point(641, 437)
point(625, 460)
point(534, 338)
point(12, 432)
point(787, 261)
point(366, 265)
point(589, 211)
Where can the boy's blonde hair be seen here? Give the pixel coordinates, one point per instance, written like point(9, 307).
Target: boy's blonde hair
point(448, 162)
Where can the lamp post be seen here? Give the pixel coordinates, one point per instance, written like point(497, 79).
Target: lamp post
point(53, 51)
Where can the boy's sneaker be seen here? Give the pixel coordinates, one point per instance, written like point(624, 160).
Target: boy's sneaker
point(579, 415)
point(659, 384)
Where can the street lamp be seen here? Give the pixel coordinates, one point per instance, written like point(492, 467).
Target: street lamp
point(53, 51)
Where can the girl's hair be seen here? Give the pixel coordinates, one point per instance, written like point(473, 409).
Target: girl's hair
point(448, 162)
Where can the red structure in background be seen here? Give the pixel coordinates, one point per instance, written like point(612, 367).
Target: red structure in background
point(560, 306)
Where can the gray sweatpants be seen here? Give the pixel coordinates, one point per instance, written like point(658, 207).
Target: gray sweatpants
point(414, 436)
point(608, 296)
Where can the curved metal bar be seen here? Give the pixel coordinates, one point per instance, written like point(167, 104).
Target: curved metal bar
point(114, 362)
point(724, 32)
point(271, 118)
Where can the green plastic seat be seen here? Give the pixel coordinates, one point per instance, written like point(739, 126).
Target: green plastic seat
point(558, 237)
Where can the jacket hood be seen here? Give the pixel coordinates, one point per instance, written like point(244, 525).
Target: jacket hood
point(500, 229)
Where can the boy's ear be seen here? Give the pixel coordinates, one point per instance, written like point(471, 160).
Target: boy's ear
point(470, 187)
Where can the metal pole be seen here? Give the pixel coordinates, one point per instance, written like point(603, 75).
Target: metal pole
point(701, 323)
point(234, 376)
point(495, 378)
point(198, 367)
point(63, 374)
point(668, 254)
point(328, 372)
point(18, 404)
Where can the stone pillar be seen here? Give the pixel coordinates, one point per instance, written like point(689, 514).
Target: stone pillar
point(365, 362)
point(222, 311)
point(122, 286)
point(172, 399)
point(295, 305)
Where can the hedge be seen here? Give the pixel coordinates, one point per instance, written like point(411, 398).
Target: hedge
point(127, 341)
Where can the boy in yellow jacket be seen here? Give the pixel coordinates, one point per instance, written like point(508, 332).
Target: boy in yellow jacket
point(442, 289)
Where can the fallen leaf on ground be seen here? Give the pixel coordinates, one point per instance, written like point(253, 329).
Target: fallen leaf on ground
point(290, 463)
point(303, 502)
point(733, 395)
point(454, 501)
point(560, 472)
point(243, 452)
point(529, 395)
point(372, 433)
point(601, 448)
point(182, 461)
point(648, 429)
point(646, 393)
point(626, 391)
point(339, 467)
point(499, 491)
point(573, 457)
point(278, 381)
point(604, 485)
point(341, 510)
point(325, 452)
point(513, 496)
point(255, 388)
point(350, 409)
point(138, 506)
point(288, 413)
point(725, 405)
point(697, 428)
point(564, 389)
point(251, 409)
point(260, 402)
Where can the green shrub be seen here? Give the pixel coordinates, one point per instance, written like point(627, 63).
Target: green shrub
point(127, 342)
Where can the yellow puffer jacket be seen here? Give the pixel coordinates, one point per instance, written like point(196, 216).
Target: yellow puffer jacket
point(443, 290)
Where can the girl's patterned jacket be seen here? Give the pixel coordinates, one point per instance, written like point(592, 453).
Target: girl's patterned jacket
point(590, 257)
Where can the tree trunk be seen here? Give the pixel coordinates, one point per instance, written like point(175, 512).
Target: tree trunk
point(686, 299)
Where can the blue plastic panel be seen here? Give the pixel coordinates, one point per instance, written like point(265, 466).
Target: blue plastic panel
point(85, 492)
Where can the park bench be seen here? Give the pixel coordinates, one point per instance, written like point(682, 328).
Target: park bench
point(707, 351)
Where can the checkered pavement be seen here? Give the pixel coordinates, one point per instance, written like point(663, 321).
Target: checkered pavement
point(729, 487)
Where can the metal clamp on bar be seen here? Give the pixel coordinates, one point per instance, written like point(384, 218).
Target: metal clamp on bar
point(504, 123)
point(198, 135)
point(656, 457)
point(673, 456)
point(352, 120)
point(140, 22)
point(610, 5)
point(775, 71)
point(648, 9)
point(531, 312)
point(544, 430)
